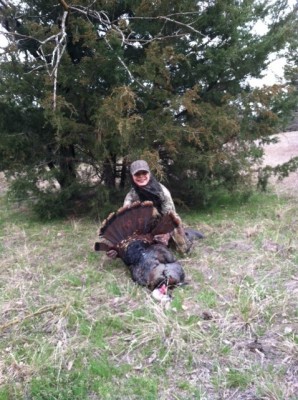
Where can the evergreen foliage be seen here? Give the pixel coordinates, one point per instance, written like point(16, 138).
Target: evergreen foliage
point(99, 84)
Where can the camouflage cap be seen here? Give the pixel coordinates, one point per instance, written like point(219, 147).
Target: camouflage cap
point(139, 165)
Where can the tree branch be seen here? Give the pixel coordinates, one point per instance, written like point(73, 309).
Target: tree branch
point(57, 55)
point(64, 5)
point(174, 21)
point(102, 19)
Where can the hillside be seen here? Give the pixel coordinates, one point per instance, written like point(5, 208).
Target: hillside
point(279, 153)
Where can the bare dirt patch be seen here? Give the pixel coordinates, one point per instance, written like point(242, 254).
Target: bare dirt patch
point(279, 153)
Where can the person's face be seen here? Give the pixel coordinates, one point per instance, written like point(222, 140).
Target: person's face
point(141, 178)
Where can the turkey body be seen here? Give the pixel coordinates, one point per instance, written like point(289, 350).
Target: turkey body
point(131, 233)
point(153, 265)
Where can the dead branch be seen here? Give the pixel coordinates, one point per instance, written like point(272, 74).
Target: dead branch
point(42, 310)
point(64, 5)
point(173, 21)
point(105, 25)
point(57, 55)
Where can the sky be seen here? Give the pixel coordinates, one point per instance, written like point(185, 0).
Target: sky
point(273, 74)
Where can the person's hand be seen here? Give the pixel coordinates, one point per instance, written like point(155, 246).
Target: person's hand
point(178, 220)
point(112, 254)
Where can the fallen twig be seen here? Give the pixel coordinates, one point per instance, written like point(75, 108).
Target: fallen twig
point(31, 315)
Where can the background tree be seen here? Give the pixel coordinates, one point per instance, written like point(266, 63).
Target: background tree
point(97, 84)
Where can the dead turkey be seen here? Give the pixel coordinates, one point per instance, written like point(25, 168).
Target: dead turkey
point(131, 232)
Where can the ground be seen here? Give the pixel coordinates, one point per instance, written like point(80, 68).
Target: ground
point(279, 153)
point(75, 327)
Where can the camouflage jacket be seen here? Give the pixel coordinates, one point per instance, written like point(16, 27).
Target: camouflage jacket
point(178, 236)
point(167, 204)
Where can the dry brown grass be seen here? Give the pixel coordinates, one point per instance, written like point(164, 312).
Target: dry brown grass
point(74, 325)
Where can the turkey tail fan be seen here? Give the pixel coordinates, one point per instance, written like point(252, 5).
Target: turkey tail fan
point(136, 218)
point(103, 245)
point(166, 224)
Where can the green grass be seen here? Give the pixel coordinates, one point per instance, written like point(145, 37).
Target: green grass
point(75, 326)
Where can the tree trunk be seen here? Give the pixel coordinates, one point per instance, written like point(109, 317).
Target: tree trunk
point(109, 171)
point(123, 174)
point(67, 173)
